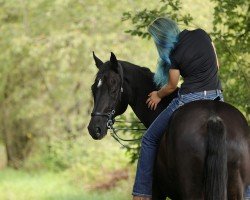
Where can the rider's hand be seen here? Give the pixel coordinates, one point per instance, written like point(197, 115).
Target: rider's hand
point(153, 100)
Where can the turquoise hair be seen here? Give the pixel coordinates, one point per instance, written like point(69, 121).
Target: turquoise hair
point(165, 33)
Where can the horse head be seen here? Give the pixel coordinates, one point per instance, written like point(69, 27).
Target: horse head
point(107, 92)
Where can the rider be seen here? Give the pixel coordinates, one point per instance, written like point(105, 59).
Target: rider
point(192, 55)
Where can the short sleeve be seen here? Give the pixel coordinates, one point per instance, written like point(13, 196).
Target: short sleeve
point(174, 64)
point(205, 34)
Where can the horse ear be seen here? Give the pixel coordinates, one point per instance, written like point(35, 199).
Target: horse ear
point(114, 62)
point(116, 66)
point(98, 62)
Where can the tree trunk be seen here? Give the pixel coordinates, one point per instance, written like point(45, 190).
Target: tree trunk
point(15, 141)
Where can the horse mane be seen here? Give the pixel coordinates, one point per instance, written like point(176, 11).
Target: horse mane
point(106, 67)
point(140, 71)
point(140, 68)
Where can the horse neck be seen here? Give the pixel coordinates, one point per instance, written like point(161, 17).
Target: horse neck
point(138, 84)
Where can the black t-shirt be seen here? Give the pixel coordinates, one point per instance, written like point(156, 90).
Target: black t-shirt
point(194, 56)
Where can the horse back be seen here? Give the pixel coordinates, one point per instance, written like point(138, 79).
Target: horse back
point(182, 151)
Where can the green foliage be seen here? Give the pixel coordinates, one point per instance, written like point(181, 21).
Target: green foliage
point(231, 33)
point(143, 18)
point(46, 73)
point(37, 68)
point(84, 154)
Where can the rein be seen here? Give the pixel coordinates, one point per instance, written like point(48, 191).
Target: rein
point(121, 140)
point(113, 133)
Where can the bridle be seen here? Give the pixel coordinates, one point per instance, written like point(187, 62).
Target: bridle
point(110, 115)
point(110, 122)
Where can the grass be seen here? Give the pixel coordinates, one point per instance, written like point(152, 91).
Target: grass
point(38, 181)
point(45, 185)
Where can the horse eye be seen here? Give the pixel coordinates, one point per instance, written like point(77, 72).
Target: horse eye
point(113, 90)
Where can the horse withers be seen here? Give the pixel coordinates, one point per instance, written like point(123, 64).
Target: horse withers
point(205, 153)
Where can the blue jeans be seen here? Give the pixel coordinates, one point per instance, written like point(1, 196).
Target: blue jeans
point(151, 140)
point(247, 193)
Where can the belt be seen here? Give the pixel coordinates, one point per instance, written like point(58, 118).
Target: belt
point(209, 92)
point(206, 92)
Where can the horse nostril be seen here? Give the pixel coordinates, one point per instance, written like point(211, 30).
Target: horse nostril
point(98, 131)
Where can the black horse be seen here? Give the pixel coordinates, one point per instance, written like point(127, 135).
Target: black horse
point(206, 151)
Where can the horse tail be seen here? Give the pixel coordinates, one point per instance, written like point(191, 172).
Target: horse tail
point(215, 173)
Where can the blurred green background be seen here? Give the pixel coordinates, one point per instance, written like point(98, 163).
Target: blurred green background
point(46, 70)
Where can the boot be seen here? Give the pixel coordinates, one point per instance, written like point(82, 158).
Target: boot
point(141, 198)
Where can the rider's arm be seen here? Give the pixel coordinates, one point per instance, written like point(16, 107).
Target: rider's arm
point(174, 75)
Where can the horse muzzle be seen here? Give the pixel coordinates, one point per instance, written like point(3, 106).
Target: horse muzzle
point(96, 129)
